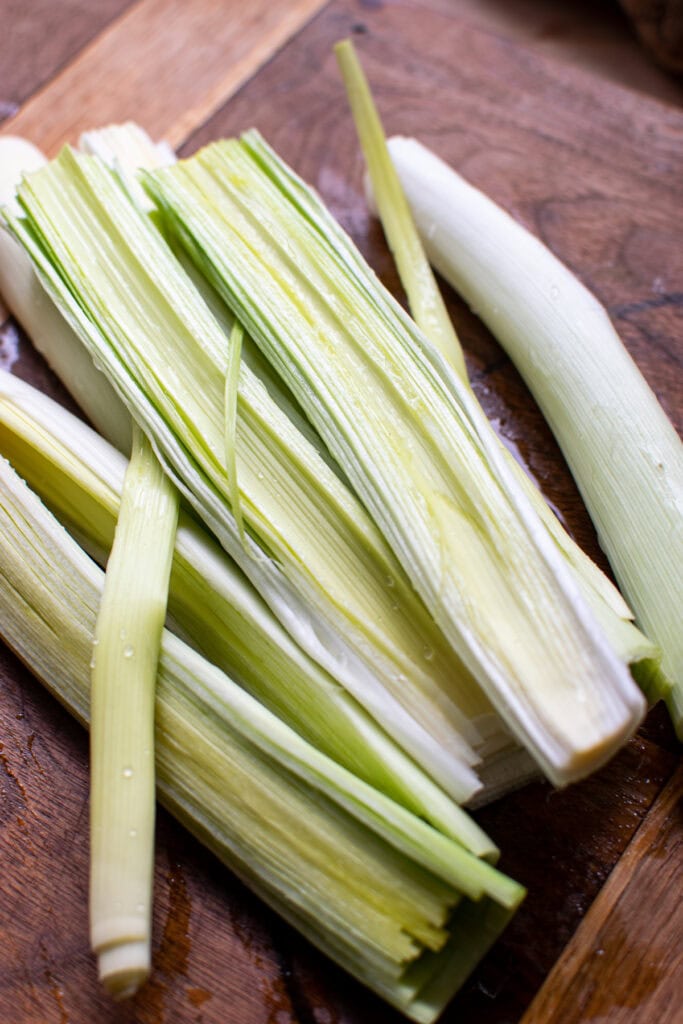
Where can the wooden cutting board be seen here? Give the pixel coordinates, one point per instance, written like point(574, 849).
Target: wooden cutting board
point(595, 170)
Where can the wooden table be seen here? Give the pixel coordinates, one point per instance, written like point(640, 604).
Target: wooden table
point(535, 103)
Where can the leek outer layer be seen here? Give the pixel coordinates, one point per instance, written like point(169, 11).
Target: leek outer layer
point(406, 910)
point(623, 452)
point(416, 448)
point(130, 619)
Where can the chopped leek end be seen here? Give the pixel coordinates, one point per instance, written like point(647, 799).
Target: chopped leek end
point(624, 453)
point(424, 298)
point(124, 668)
point(232, 374)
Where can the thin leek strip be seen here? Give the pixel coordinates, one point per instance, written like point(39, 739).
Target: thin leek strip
point(266, 802)
point(50, 333)
point(215, 608)
point(431, 316)
point(419, 453)
point(624, 453)
point(231, 385)
point(312, 552)
point(424, 298)
point(124, 668)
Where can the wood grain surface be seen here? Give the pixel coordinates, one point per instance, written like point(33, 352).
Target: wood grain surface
point(630, 940)
point(594, 169)
point(165, 63)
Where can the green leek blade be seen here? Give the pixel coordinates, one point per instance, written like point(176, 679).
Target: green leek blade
point(424, 298)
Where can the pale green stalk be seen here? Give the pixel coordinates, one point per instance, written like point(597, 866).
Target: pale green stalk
point(373, 886)
point(311, 550)
point(216, 609)
point(430, 314)
point(124, 669)
point(624, 453)
point(415, 446)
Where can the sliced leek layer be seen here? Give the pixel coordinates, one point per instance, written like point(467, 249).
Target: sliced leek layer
point(431, 316)
point(50, 333)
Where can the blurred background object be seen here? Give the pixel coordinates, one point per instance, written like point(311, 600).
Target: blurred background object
point(660, 26)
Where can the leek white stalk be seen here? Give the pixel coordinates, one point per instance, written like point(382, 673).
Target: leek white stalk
point(415, 446)
point(406, 910)
point(622, 450)
point(311, 550)
point(124, 669)
point(50, 333)
point(431, 316)
point(215, 608)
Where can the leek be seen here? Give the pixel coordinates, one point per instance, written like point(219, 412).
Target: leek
point(415, 446)
point(51, 335)
point(311, 550)
point(431, 316)
point(214, 607)
point(624, 453)
point(405, 909)
point(124, 668)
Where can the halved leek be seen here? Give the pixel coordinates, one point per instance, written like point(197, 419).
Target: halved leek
point(215, 608)
point(431, 316)
point(622, 450)
point(406, 910)
point(415, 446)
point(311, 550)
point(124, 668)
